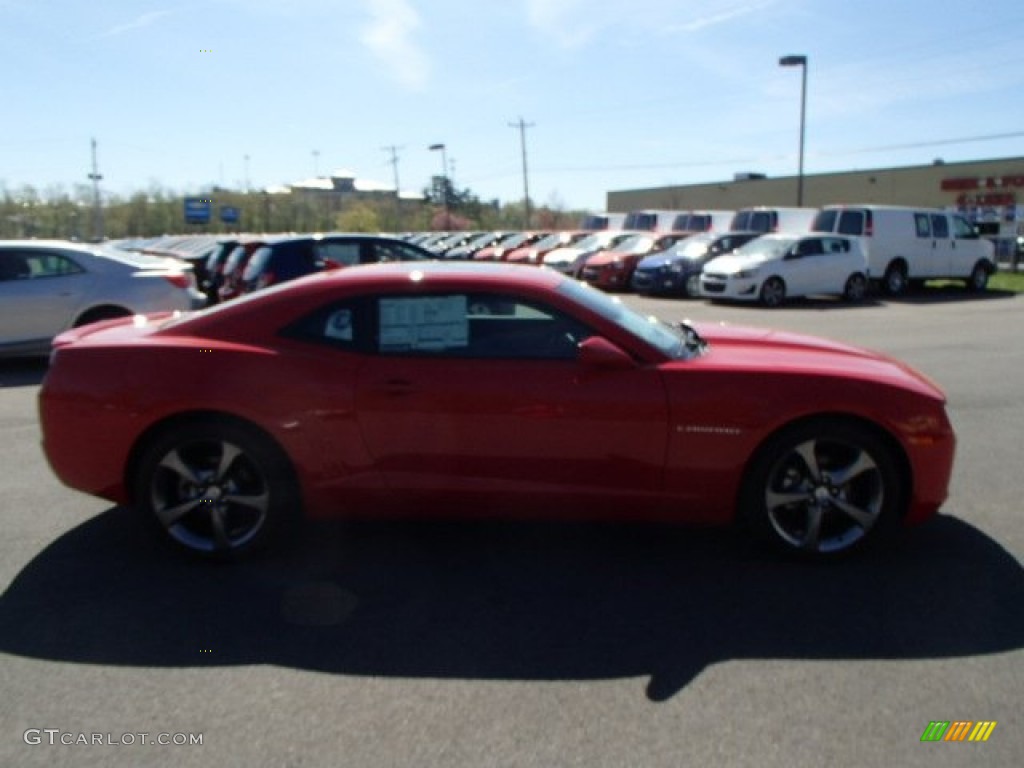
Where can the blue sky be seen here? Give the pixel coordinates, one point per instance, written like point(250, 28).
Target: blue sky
point(620, 94)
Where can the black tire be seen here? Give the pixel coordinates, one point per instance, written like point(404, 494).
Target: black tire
point(691, 286)
point(977, 282)
point(823, 489)
point(894, 282)
point(856, 288)
point(773, 292)
point(217, 489)
point(101, 313)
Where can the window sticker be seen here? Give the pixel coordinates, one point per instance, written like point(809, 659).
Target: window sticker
point(423, 324)
point(339, 325)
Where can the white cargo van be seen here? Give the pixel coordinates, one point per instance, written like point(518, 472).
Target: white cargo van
point(763, 219)
point(905, 245)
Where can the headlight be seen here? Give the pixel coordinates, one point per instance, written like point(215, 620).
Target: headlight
point(743, 274)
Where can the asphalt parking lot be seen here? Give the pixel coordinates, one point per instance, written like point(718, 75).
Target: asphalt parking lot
point(487, 644)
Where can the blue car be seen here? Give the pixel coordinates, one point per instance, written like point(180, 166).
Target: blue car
point(676, 270)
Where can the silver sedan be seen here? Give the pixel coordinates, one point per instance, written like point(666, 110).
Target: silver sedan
point(49, 286)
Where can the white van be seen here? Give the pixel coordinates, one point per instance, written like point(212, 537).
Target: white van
point(764, 219)
point(905, 245)
point(651, 220)
point(703, 221)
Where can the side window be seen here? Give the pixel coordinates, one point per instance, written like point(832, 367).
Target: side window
point(962, 229)
point(388, 251)
point(922, 224)
point(488, 326)
point(851, 223)
point(14, 266)
point(835, 245)
point(345, 254)
point(810, 247)
point(50, 265)
point(940, 226)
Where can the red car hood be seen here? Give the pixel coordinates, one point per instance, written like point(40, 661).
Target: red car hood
point(607, 257)
point(740, 347)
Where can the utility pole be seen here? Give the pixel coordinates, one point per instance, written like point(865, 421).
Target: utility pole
point(522, 125)
point(398, 190)
point(97, 209)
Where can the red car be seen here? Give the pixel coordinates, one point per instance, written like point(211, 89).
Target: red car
point(614, 268)
point(392, 389)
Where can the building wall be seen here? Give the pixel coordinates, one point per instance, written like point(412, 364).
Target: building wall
point(973, 186)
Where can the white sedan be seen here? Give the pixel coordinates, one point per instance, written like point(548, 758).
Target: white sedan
point(49, 286)
point(775, 267)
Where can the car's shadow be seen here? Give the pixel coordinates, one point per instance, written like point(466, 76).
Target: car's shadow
point(22, 371)
point(510, 601)
point(947, 293)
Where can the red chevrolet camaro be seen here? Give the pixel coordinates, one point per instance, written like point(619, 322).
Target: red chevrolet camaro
point(475, 389)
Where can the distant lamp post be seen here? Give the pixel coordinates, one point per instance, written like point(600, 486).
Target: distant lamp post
point(799, 61)
point(444, 181)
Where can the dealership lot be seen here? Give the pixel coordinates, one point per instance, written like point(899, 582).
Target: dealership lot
point(532, 644)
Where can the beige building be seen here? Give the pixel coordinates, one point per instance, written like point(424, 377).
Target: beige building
point(987, 190)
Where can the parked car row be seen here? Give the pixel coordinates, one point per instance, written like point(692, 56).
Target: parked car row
point(756, 254)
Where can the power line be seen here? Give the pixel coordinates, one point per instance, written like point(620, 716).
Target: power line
point(398, 190)
point(97, 209)
point(522, 125)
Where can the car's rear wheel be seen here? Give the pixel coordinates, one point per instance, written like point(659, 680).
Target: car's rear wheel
point(978, 280)
point(895, 279)
point(822, 489)
point(773, 292)
point(856, 288)
point(217, 489)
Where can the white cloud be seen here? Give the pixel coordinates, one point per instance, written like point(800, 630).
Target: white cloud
point(388, 35)
point(572, 23)
point(145, 20)
point(721, 17)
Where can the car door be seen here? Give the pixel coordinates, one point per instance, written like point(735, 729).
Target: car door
point(930, 257)
point(942, 245)
point(458, 400)
point(803, 267)
point(39, 294)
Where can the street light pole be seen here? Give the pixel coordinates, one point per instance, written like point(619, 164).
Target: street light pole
point(444, 181)
point(799, 61)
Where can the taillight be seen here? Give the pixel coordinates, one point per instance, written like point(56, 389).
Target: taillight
point(869, 224)
point(183, 280)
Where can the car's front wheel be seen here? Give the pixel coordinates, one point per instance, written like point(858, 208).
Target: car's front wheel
point(773, 292)
point(217, 489)
point(978, 280)
point(822, 489)
point(856, 288)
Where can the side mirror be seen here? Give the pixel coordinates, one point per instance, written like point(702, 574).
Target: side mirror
point(598, 352)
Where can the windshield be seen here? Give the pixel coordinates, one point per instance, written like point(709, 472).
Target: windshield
point(633, 244)
point(765, 248)
point(669, 340)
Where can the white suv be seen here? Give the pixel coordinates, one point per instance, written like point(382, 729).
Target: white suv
point(774, 267)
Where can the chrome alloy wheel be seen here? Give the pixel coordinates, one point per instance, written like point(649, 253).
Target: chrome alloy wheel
point(209, 495)
point(824, 495)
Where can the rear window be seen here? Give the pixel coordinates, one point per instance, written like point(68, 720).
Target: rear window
point(755, 221)
point(640, 220)
point(825, 221)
